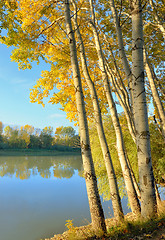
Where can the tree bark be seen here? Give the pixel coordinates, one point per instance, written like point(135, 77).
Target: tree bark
point(97, 215)
point(122, 53)
point(155, 94)
point(114, 192)
point(122, 96)
point(146, 177)
point(132, 195)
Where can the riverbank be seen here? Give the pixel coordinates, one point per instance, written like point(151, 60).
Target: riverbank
point(38, 152)
point(130, 229)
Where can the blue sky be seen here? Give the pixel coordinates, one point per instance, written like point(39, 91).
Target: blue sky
point(15, 106)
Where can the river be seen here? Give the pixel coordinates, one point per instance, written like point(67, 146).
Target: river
point(38, 195)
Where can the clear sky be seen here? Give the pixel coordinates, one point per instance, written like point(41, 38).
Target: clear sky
point(15, 106)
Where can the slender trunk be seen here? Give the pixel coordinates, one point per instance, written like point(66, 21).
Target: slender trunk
point(120, 89)
point(121, 49)
point(97, 215)
point(155, 93)
point(129, 122)
point(114, 192)
point(132, 196)
point(146, 177)
point(156, 16)
point(122, 96)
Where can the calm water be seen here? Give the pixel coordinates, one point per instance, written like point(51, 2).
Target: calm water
point(38, 195)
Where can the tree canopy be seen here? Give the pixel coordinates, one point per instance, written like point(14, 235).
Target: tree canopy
point(41, 34)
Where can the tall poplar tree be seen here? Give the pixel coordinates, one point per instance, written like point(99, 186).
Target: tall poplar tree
point(96, 210)
point(114, 192)
point(132, 195)
point(146, 178)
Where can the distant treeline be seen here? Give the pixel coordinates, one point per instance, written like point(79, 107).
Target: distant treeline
point(27, 137)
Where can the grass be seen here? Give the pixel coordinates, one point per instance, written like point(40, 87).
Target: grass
point(136, 229)
point(129, 229)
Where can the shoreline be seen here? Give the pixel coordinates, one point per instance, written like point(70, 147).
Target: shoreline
point(131, 228)
point(38, 152)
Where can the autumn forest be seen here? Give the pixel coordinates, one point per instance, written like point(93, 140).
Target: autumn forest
point(27, 137)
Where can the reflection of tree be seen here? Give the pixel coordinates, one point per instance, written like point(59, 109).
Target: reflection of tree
point(24, 167)
point(10, 166)
point(23, 174)
point(61, 171)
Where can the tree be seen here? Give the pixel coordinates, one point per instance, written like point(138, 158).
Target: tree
point(132, 195)
point(146, 178)
point(13, 138)
point(157, 151)
point(66, 136)
point(7, 131)
point(97, 215)
point(35, 142)
point(157, 100)
point(46, 138)
point(25, 133)
point(1, 127)
point(116, 202)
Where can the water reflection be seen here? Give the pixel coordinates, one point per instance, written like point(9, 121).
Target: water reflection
point(38, 195)
point(47, 167)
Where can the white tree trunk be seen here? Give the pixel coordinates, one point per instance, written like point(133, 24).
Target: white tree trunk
point(114, 192)
point(122, 53)
point(146, 178)
point(118, 84)
point(132, 195)
point(97, 215)
point(155, 93)
point(121, 94)
point(130, 123)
